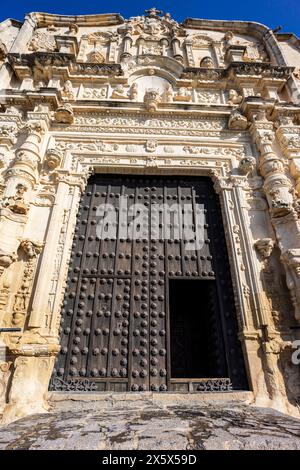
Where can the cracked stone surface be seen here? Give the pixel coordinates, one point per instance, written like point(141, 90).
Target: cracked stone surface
point(149, 425)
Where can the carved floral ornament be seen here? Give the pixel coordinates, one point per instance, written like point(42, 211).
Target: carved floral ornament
point(143, 122)
point(151, 145)
point(42, 41)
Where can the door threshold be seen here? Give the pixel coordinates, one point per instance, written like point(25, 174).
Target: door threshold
point(236, 395)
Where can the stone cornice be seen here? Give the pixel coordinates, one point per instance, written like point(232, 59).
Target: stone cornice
point(57, 59)
point(254, 70)
point(106, 19)
point(260, 70)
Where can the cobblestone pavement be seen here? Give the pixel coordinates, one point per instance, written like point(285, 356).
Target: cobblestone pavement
point(116, 424)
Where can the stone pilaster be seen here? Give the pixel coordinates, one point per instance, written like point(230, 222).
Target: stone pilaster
point(40, 300)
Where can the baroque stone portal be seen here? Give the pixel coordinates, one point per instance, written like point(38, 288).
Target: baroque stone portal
point(199, 109)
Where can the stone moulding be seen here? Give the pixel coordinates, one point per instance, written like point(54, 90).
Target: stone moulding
point(55, 59)
point(58, 59)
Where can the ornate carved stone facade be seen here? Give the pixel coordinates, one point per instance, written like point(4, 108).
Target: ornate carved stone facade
point(100, 94)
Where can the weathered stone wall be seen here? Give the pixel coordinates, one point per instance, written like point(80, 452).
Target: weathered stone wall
point(148, 95)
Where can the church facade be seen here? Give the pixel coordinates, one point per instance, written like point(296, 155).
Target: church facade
point(129, 115)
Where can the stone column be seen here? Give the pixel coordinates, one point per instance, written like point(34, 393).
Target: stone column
point(279, 192)
point(164, 44)
point(10, 122)
point(127, 42)
point(21, 176)
point(25, 166)
point(277, 185)
point(288, 135)
point(177, 53)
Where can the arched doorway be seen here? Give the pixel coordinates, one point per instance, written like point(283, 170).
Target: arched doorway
point(149, 311)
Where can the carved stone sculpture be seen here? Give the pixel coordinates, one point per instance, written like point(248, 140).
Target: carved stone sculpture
point(169, 93)
point(17, 203)
point(67, 91)
point(237, 121)
point(152, 99)
point(207, 63)
point(119, 93)
point(53, 158)
point(247, 165)
point(183, 95)
point(134, 92)
point(64, 114)
point(234, 97)
point(264, 246)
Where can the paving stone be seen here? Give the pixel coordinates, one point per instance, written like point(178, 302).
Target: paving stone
point(124, 424)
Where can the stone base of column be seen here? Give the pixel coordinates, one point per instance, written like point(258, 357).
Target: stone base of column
point(31, 375)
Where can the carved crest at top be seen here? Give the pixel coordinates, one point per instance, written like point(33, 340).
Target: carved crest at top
point(153, 25)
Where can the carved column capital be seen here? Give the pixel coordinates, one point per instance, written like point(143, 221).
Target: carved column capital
point(73, 179)
point(34, 129)
point(8, 134)
point(221, 183)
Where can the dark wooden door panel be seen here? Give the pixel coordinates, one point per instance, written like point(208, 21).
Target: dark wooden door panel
point(115, 326)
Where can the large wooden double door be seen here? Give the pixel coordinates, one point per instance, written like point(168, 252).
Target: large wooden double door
point(148, 312)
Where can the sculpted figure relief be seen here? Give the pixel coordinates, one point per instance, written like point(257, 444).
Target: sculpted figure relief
point(207, 63)
point(152, 98)
point(234, 97)
point(64, 114)
point(183, 95)
point(119, 93)
point(17, 203)
point(67, 91)
point(264, 247)
point(134, 91)
point(169, 93)
point(237, 121)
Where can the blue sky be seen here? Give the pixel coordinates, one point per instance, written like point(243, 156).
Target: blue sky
point(270, 12)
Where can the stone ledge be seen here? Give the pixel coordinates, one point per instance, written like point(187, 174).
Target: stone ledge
point(241, 396)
